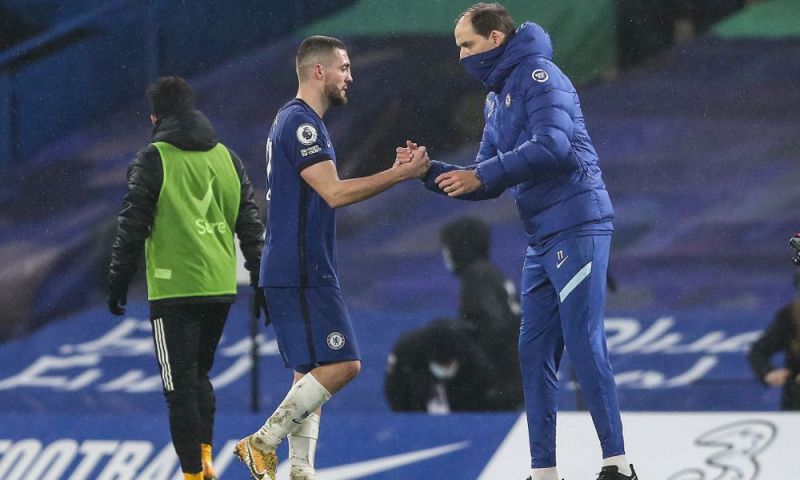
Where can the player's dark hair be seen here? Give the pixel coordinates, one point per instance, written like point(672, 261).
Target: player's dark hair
point(315, 46)
point(170, 96)
point(487, 17)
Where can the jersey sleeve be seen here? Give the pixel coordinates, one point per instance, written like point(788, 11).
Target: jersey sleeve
point(305, 141)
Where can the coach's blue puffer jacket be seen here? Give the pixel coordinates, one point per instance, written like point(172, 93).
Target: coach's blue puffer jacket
point(535, 141)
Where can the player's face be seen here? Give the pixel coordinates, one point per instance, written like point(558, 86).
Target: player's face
point(338, 78)
point(469, 42)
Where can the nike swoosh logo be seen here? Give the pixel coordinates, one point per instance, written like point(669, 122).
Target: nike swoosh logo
point(205, 202)
point(356, 470)
point(558, 264)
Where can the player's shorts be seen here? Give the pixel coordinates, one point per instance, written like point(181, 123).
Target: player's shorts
point(312, 326)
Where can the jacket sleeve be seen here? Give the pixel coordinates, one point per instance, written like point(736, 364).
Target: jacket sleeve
point(487, 150)
point(438, 168)
point(134, 222)
point(550, 126)
point(772, 341)
point(249, 228)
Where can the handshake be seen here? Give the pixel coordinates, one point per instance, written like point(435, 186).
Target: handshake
point(453, 183)
point(412, 161)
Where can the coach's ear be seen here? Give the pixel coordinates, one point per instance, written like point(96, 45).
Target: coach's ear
point(153, 119)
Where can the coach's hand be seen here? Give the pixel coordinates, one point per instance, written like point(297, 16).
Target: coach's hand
point(458, 182)
point(117, 299)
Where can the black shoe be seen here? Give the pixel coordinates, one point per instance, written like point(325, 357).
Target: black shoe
point(611, 472)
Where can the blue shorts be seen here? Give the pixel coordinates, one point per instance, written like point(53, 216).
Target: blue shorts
point(312, 326)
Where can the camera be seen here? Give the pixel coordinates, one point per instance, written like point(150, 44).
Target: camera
point(795, 244)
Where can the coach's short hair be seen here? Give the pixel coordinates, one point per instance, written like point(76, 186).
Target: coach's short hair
point(312, 49)
point(487, 17)
point(170, 96)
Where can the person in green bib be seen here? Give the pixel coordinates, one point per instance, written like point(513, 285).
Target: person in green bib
point(187, 196)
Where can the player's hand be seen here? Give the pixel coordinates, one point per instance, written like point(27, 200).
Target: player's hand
point(117, 299)
point(418, 164)
point(777, 377)
point(424, 162)
point(458, 182)
point(403, 154)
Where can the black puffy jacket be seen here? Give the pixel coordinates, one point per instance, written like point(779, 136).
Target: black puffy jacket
point(191, 131)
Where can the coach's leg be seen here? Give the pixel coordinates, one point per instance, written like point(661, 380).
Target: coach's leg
point(176, 335)
point(540, 349)
point(582, 292)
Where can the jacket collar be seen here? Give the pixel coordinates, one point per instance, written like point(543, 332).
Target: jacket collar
point(494, 66)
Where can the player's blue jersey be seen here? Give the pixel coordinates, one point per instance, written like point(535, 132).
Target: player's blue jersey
point(300, 244)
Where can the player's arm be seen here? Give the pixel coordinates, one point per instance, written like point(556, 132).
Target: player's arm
point(324, 179)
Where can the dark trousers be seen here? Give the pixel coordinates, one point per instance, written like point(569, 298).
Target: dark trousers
point(186, 338)
point(790, 400)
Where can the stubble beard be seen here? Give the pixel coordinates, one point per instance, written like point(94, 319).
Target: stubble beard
point(335, 95)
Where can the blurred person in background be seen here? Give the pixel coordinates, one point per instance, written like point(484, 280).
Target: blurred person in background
point(299, 272)
point(535, 142)
point(782, 336)
point(470, 363)
point(187, 196)
point(439, 369)
point(489, 311)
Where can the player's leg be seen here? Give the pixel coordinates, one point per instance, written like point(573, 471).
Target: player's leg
point(212, 318)
point(303, 445)
point(579, 273)
point(540, 350)
point(316, 338)
point(324, 351)
point(176, 333)
point(305, 397)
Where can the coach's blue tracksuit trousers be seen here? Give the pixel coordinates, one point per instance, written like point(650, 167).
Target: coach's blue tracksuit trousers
point(563, 304)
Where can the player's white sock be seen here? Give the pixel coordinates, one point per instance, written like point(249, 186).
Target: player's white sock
point(303, 399)
point(549, 473)
point(620, 462)
point(303, 444)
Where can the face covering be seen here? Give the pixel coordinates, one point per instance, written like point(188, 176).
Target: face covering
point(443, 372)
point(481, 64)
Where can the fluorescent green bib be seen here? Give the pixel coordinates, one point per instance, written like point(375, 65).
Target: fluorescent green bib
point(190, 250)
